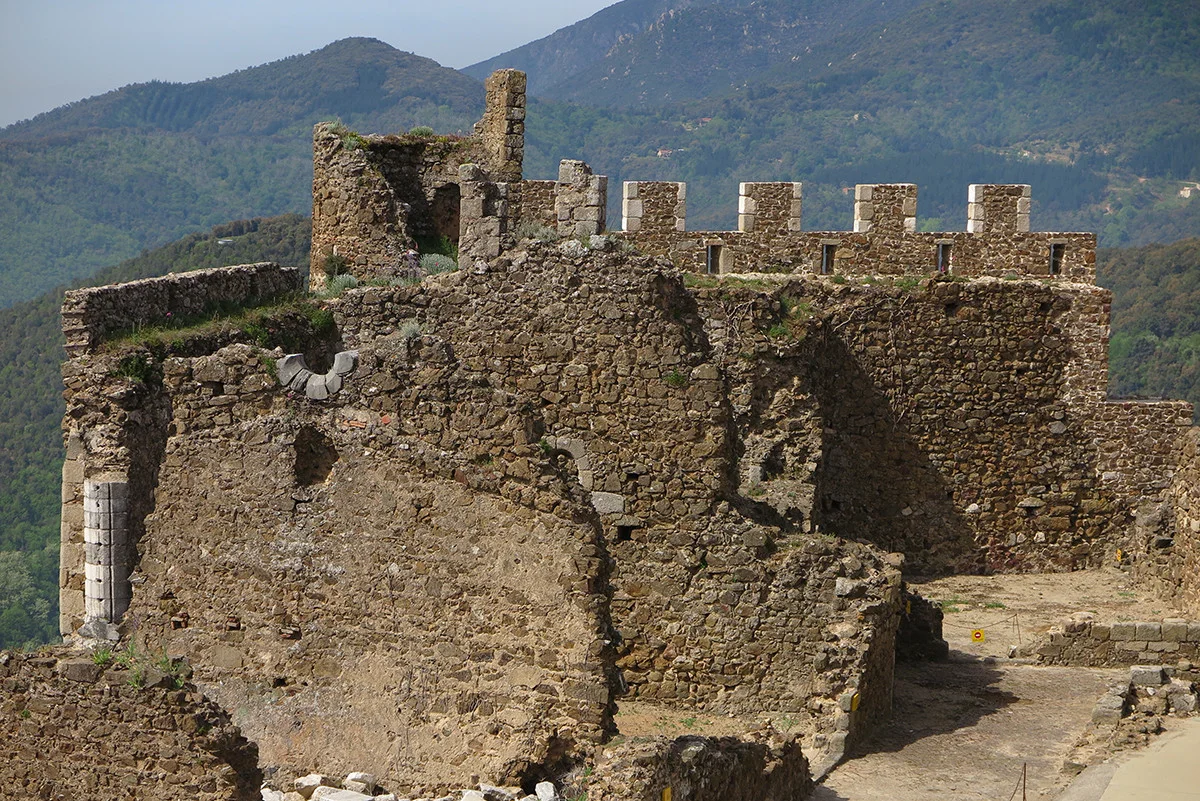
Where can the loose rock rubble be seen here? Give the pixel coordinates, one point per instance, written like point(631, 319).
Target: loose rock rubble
point(358, 786)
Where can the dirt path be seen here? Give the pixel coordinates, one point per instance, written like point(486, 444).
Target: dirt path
point(962, 729)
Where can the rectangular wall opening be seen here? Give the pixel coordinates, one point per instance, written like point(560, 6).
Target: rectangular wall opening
point(828, 255)
point(943, 256)
point(1057, 251)
point(712, 259)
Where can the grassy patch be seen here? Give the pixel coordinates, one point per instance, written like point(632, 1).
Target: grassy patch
point(290, 322)
point(676, 379)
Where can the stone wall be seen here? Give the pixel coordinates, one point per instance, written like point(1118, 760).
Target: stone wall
point(90, 315)
point(884, 240)
point(537, 203)
point(71, 729)
point(996, 460)
point(1085, 642)
point(374, 196)
point(566, 473)
point(1166, 551)
point(701, 769)
point(507, 430)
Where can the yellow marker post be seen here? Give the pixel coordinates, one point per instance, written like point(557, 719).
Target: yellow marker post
point(854, 702)
point(666, 794)
point(977, 635)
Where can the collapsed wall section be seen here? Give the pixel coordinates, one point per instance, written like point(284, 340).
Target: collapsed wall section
point(376, 199)
point(72, 729)
point(970, 443)
point(1168, 560)
point(701, 769)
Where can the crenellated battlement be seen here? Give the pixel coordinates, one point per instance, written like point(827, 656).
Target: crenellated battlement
point(884, 239)
point(372, 201)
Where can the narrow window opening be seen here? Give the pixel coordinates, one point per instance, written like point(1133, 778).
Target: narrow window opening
point(1057, 251)
point(712, 263)
point(943, 256)
point(828, 254)
point(625, 533)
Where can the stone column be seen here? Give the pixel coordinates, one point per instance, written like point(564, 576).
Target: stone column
point(483, 216)
point(71, 552)
point(502, 128)
point(107, 590)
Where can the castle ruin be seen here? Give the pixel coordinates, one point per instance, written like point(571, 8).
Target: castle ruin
point(441, 528)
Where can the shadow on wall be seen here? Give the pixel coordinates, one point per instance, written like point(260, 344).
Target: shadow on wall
point(875, 482)
point(933, 698)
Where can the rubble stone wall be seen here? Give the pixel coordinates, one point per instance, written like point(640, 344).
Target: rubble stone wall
point(71, 729)
point(1089, 643)
point(90, 315)
point(967, 443)
point(1168, 559)
point(701, 769)
point(565, 472)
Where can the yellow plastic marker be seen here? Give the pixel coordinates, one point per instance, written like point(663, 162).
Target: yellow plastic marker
point(666, 794)
point(854, 702)
point(977, 635)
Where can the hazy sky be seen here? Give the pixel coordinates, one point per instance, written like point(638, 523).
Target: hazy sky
point(55, 51)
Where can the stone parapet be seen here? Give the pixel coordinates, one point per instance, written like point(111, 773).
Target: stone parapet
point(884, 241)
point(1083, 641)
point(90, 315)
point(885, 208)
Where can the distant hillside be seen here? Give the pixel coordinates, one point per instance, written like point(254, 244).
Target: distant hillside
point(99, 180)
point(1155, 345)
point(31, 411)
point(365, 82)
point(1095, 104)
point(706, 49)
point(570, 50)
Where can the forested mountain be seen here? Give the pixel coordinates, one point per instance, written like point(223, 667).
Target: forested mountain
point(1094, 104)
point(31, 410)
point(569, 50)
point(1155, 346)
point(99, 180)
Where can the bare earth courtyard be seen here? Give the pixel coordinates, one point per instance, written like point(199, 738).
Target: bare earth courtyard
point(962, 729)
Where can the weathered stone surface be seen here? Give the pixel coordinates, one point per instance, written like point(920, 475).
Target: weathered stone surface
point(338, 794)
point(1147, 676)
point(307, 785)
point(72, 733)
